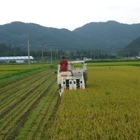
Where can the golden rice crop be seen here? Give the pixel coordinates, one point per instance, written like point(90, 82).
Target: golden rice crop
point(109, 108)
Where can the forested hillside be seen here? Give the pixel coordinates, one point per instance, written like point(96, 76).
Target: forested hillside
point(132, 49)
point(110, 35)
point(107, 37)
point(15, 34)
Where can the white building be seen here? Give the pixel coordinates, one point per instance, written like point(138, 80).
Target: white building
point(17, 59)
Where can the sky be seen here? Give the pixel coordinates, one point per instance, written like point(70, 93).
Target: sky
point(69, 14)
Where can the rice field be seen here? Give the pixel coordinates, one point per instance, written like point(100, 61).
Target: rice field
point(28, 105)
point(12, 68)
point(108, 109)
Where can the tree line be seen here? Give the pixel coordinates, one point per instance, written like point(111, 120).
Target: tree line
point(45, 54)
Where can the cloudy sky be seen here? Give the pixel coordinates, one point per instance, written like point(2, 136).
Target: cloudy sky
point(69, 14)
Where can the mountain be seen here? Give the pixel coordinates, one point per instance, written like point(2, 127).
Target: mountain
point(110, 36)
point(132, 49)
point(15, 34)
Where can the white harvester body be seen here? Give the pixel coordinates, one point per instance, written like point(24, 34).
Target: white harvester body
point(72, 79)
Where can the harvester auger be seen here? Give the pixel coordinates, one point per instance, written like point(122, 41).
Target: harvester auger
point(74, 78)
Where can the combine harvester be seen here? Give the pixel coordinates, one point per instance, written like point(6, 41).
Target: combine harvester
point(74, 78)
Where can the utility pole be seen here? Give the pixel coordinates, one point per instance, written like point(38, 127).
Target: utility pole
point(28, 45)
point(51, 55)
point(42, 46)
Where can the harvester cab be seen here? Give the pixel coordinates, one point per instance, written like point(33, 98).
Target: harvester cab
point(74, 78)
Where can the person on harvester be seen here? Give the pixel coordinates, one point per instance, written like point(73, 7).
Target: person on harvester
point(63, 64)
